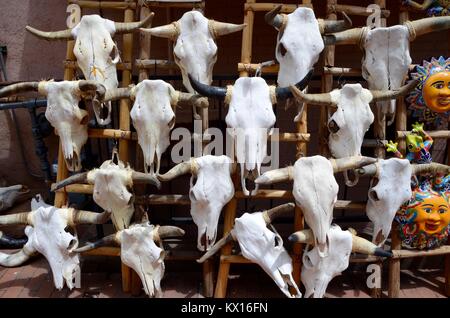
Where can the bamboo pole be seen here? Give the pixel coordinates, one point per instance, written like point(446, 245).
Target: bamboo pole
point(247, 36)
point(443, 250)
point(117, 5)
point(436, 134)
point(286, 8)
point(357, 10)
point(119, 66)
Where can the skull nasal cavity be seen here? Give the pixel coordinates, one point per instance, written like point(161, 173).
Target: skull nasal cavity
point(282, 49)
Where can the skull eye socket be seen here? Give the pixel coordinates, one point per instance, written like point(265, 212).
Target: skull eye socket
point(374, 182)
point(282, 49)
point(171, 122)
point(84, 120)
point(307, 261)
point(373, 195)
point(333, 127)
point(72, 244)
point(277, 241)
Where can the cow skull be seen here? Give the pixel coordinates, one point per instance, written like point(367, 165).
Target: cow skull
point(251, 117)
point(47, 234)
point(318, 270)
point(9, 195)
point(390, 188)
point(63, 113)
point(299, 41)
point(386, 52)
point(209, 193)
point(262, 246)
point(113, 183)
point(153, 115)
point(93, 49)
point(315, 190)
point(139, 251)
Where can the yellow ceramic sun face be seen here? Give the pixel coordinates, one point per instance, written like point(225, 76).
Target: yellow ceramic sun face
point(436, 92)
point(433, 215)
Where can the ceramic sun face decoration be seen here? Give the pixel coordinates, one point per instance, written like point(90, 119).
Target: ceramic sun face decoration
point(433, 7)
point(429, 102)
point(424, 221)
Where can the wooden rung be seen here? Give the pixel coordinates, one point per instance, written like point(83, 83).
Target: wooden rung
point(177, 4)
point(355, 10)
point(239, 259)
point(163, 199)
point(374, 143)
point(78, 188)
point(152, 64)
point(104, 4)
point(290, 137)
point(415, 253)
point(434, 134)
point(252, 67)
point(104, 251)
point(120, 66)
point(342, 71)
point(112, 133)
point(286, 8)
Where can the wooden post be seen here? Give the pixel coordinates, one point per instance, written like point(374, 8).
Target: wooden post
point(247, 36)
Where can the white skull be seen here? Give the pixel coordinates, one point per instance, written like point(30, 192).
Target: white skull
point(391, 189)
point(318, 270)
point(298, 46)
point(49, 237)
point(93, 48)
point(315, 190)
point(264, 247)
point(212, 189)
point(153, 118)
point(139, 251)
point(112, 185)
point(386, 61)
point(351, 120)
point(251, 116)
point(67, 118)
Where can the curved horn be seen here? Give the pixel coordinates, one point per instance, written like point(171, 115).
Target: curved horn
point(387, 95)
point(315, 99)
point(144, 178)
point(277, 175)
point(88, 217)
point(216, 247)
point(363, 246)
point(49, 36)
point(169, 231)
point(178, 170)
point(329, 26)
point(76, 178)
point(369, 170)
point(112, 239)
point(222, 28)
point(168, 31)
point(275, 212)
point(303, 236)
point(433, 168)
point(285, 92)
point(126, 27)
point(17, 218)
point(15, 89)
point(118, 93)
point(273, 17)
point(207, 90)
point(7, 241)
point(17, 259)
point(432, 24)
point(348, 163)
point(352, 36)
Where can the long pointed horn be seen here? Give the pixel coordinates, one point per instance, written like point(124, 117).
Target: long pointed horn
point(273, 17)
point(207, 90)
point(15, 89)
point(329, 26)
point(168, 31)
point(352, 36)
point(315, 99)
point(110, 240)
point(50, 36)
point(277, 175)
point(363, 246)
point(348, 163)
point(427, 25)
point(7, 241)
point(275, 212)
point(17, 218)
point(433, 168)
point(17, 259)
point(285, 92)
point(178, 170)
point(222, 28)
point(216, 247)
point(169, 231)
point(76, 178)
point(387, 95)
point(144, 178)
point(126, 27)
point(118, 93)
point(303, 236)
point(88, 217)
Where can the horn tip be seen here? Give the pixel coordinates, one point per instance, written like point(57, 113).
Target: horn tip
point(262, 180)
point(293, 238)
point(383, 253)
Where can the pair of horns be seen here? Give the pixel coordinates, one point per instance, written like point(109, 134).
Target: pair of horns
point(359, 244)
point(433, 168)
point(86, 86)
point(416, 28)
point(275, 19)
point(137, 177)
point(115, 239)
point(268, 217)
point(7, 241)
point(121, 27)
point(339, 165)
point(325, 98)
point(221, 92)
